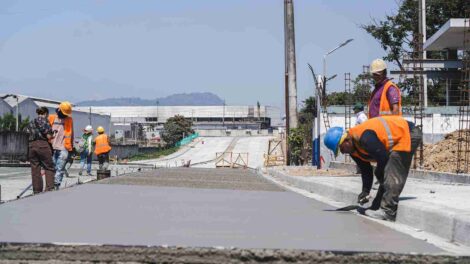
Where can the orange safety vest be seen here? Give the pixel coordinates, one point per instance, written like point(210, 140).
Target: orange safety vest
point(392, 131)
point(68, 130)
point(384, 104)
point(102, 144)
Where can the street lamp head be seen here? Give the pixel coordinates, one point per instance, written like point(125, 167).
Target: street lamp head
point(346, 42)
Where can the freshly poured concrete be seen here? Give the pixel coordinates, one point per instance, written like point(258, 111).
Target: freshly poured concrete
point(128, 214)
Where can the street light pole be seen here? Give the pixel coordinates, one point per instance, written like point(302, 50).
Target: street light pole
point(323, 86)
point(17, 113)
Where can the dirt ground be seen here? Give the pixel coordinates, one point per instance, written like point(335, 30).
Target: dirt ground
point(47, 253)
point(307, 171)
point(442, 156)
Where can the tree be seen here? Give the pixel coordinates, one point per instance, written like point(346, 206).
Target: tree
point(395, 32)
point(337, 98)
point(361, 89)
point(175, 129)
point(8, 123)
point(300, 138)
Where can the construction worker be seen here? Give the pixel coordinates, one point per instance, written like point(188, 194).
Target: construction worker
point(102, 148)
point(40, 153)
point(361, 117)
point(391, 141)
point(385, 98)
point(62, 141)
point(85, 148)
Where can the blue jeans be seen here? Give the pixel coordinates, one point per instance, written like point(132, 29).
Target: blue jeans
point(85, 158)
point(60, 159)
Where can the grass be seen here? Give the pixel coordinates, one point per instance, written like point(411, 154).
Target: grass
point(154, 155)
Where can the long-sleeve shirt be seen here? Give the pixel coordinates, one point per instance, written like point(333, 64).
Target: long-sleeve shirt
point(361, 117)
point(39, 128)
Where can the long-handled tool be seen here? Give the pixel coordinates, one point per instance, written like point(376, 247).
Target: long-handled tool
point(23, 192)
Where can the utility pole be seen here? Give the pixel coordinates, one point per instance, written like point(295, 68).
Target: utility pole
point(286, 87)
point(17, 113)
point(89, 115)
point(290, 61)
point(223, 115)
point(157, 111)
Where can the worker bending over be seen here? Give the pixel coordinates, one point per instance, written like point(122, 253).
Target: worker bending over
point(390, 141)
point(102, 148)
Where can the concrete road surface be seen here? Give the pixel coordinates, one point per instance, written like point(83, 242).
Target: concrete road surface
point(195, 208)
point(202, 152)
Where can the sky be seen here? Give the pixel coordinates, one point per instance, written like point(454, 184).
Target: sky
point(97, 49)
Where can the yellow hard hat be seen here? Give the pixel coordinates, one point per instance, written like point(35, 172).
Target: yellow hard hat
point(66, 108)
point(377, 65)
point(100, 129)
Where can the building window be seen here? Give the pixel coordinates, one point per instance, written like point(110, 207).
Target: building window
point(151, 119)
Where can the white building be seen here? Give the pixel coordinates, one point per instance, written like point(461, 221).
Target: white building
point(220, 117)
point(27, 109)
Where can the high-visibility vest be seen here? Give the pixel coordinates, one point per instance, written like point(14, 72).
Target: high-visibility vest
point(384, 108)
point(68, 130)
point(392, 131)
point(102, 144)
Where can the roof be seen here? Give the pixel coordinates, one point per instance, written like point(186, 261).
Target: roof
point(11, 99)
point(449, 36)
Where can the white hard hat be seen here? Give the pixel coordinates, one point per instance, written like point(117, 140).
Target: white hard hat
point(89, 128)
point(377, 65)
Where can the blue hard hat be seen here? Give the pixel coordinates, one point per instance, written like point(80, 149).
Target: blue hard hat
point(332, 138)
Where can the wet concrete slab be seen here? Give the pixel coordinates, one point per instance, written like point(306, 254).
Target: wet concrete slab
point(223, 178)
point(194, 217)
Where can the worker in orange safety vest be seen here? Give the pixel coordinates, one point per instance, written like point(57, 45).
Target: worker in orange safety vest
point(386, 97)
point(62, 139)
point(102, 148)
point(391, 141)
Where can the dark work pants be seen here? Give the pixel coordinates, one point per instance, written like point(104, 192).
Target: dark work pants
point(103, 161)
point(396, 173)
point(40, 155)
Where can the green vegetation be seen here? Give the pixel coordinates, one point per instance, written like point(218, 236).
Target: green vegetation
point(395, 33)
point(8, 123)
point(175, 129)
point(300, 138)
point(154, 155)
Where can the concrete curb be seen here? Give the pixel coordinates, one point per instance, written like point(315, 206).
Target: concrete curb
point(449, 224)
point(446, 177)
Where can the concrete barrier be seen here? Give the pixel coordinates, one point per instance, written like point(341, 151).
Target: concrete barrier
point(446, 177)
point(124, 151)
point(13, 146)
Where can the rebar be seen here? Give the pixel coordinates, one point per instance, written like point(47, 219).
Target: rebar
point(347, 100)
point(347, 106)
point(418, 94)
point(463, 148)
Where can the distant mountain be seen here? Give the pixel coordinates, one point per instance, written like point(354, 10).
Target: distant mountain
point(175, 99)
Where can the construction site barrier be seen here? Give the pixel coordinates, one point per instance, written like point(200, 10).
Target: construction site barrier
point(187, 140)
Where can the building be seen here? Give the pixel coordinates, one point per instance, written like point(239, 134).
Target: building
point(27, 106)
point(446, 72)
point(127, 119)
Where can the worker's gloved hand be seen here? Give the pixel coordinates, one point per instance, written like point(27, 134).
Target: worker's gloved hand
point(363, 198)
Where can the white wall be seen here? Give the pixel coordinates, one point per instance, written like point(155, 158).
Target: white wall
point(434, 127)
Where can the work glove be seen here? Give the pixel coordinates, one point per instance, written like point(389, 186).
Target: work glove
point(363, 197)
